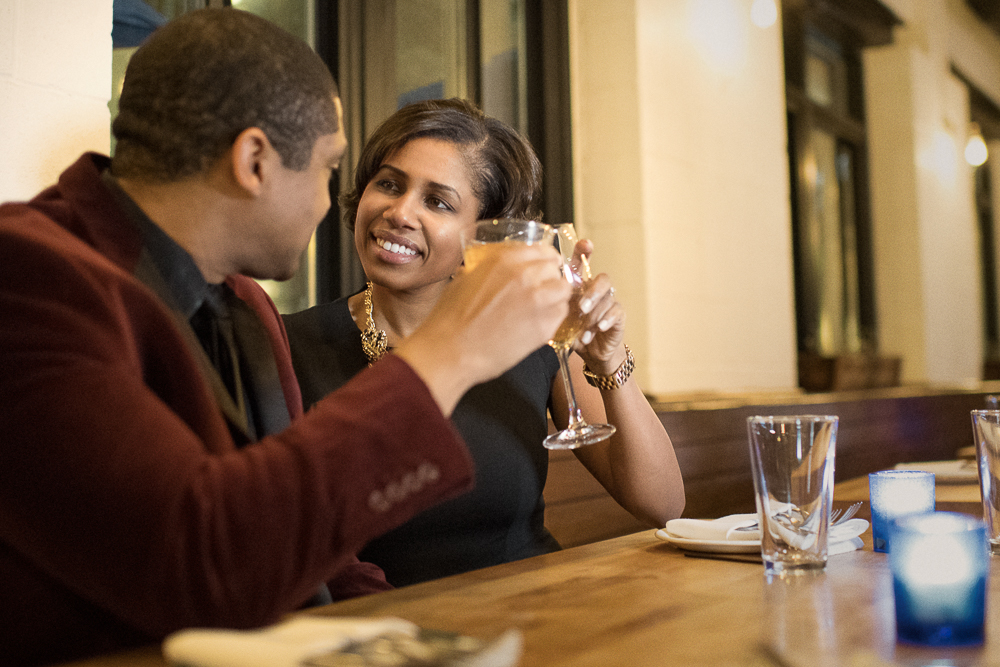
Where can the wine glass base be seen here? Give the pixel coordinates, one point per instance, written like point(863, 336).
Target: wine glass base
point(584, 434)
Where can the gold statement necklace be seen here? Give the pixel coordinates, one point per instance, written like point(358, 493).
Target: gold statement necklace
point(373, 341)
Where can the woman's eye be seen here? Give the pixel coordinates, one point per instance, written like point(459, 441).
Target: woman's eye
point(387, 184)
point(435, 202)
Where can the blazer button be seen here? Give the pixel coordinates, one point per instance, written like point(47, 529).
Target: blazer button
point(428, 473)
point(412, 483)
point(395, 492)
point(378, 502)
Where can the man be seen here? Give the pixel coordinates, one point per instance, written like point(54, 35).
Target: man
point(156, 471)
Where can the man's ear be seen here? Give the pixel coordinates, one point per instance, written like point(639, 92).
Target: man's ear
point(251, 156)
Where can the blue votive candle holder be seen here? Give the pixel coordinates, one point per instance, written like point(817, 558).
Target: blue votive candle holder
point(896, 493)
point(940, 564)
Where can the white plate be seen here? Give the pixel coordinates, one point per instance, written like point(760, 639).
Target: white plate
point(711, 546)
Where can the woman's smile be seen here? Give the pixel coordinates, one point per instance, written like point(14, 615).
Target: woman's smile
point(395, 249)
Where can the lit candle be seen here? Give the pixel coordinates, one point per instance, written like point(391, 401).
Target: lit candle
point(896, 493)
point(940, 565)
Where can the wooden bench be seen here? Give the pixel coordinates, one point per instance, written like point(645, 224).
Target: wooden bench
point(878, 428)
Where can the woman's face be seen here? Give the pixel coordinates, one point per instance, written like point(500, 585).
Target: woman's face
point(412, 215)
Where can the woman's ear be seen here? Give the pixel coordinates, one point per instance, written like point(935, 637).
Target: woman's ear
point(251, 156)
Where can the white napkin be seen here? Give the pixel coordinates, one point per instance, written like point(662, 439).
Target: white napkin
point(715, 530)
point(291, 643)
point(842, 538)
point(283, 645)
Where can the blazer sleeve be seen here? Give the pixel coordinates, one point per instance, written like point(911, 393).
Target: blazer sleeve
point(119, 483)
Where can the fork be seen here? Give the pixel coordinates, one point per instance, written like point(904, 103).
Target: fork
point(848, 514)
point(837, 517)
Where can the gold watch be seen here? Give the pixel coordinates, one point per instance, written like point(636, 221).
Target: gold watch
point(616, 379)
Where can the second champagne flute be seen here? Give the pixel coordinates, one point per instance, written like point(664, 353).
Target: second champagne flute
point(578, 432)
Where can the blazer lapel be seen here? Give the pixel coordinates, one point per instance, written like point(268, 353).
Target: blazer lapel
point(147, 272)
point(267, 397)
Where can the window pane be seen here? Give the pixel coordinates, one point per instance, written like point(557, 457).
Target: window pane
point(430, 50)
point(824, 242)
point(826, 73)
point(819, 87)
point(853, 335)
point(502, 55)
point(830, 247)
point(295, 16)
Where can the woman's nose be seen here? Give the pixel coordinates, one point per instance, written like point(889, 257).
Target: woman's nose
point(402, 212)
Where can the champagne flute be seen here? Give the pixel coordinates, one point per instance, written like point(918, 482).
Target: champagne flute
point(578, 432)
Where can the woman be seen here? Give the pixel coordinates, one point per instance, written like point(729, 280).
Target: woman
point(424, 178)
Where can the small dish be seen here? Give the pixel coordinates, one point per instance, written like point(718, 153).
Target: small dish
point(710, 546)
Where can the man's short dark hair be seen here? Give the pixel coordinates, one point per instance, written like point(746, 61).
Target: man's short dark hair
point(205, 77)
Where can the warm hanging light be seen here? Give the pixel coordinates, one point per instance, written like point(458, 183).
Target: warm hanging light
point(975, 148)
point(763, 13)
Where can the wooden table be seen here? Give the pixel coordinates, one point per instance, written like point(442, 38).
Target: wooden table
point(638, 601)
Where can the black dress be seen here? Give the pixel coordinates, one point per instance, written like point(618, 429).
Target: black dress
point(503, 423)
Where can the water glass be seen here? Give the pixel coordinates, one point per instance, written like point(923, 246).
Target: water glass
point(793, 462)
point(986, 432)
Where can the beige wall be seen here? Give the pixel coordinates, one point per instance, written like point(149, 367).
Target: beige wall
point(55, 82)
point(926, 237)
point(681, 177)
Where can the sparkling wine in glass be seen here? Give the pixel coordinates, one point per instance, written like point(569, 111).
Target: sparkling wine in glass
point(488, 233)
point(578, 432)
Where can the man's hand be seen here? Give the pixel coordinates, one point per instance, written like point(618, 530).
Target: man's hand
point(488, 320)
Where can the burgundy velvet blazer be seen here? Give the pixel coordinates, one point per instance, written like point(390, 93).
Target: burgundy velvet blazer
point(126, 509)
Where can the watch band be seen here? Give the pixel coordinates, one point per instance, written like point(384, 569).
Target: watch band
point(616, 379)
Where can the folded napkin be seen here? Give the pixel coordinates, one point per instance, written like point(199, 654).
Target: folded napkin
point(715, 530)
point(842, 538)
point(314, 640)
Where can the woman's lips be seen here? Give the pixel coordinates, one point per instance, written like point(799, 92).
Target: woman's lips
point(395, 250)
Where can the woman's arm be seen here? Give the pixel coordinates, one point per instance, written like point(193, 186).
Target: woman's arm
point(637, 466)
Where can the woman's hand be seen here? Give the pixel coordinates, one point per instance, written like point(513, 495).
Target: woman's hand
point(637, 465)
point(600, 342)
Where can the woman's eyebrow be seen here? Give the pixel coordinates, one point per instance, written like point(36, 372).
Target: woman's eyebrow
point(447, 189)
point(433, 184)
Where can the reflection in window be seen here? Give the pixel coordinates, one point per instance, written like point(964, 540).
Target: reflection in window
point(825, 73)
point(830, 247)
point(502, 51)
point(831, 214)
point(987, 245)
point(430, 49)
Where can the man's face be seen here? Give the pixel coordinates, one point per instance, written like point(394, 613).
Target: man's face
point(298, 201)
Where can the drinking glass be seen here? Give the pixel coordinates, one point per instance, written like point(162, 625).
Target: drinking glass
point(986, 432)
point(503, 230)
point(793, 461)
point(577, 271)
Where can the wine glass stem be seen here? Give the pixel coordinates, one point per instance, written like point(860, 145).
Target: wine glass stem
point(575, 417)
